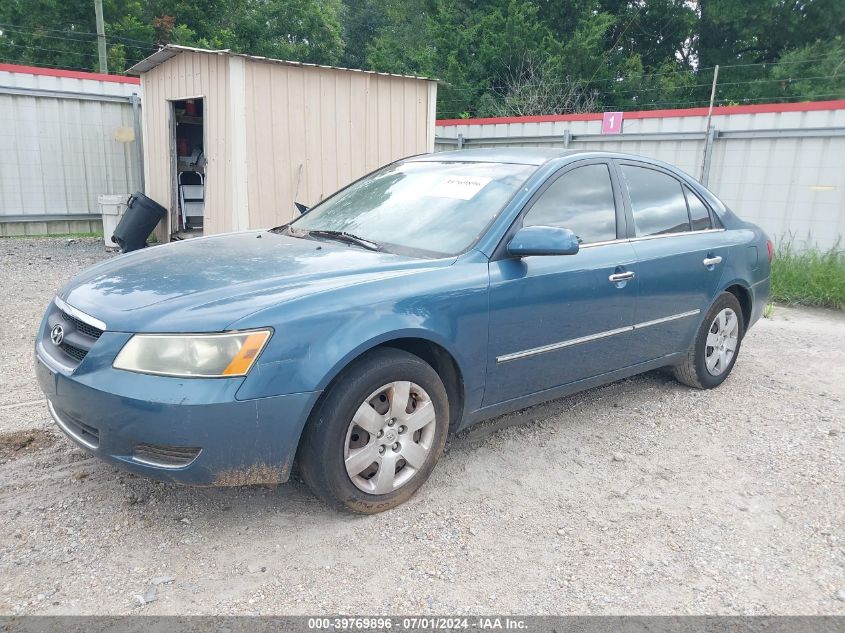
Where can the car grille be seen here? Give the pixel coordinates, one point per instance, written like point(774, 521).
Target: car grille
point(79, 337)
point(74, 352)
point(82, 327)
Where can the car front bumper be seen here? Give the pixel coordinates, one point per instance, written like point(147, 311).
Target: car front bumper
point(191, 431)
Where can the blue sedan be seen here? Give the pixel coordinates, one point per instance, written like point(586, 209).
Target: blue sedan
point(434, 293)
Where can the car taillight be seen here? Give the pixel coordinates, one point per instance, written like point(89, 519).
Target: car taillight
point(771, 248)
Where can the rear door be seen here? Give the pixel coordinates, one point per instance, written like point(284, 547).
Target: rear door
point(559, 319)
point(680, 257)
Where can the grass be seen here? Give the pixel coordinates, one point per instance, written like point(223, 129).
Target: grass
point(810, 278)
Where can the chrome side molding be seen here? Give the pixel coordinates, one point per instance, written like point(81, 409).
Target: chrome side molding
point(682, 315)
point(650, 237)
point(554, 346)
point(534, 351)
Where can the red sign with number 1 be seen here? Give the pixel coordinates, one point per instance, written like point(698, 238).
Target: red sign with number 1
point(611, 123)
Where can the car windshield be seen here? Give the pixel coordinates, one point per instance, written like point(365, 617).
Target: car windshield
point(420, 207)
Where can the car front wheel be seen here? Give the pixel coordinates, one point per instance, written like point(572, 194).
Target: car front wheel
point(377, 434)
point(712, 355)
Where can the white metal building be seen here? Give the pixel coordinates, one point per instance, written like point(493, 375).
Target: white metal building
point(66, 137)
point(781, 166)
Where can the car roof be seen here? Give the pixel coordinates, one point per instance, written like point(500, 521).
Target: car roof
point(526, 155)
point(518, 155)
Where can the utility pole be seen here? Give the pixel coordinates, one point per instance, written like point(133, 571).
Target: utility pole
point(101, 36)
point(709, 135)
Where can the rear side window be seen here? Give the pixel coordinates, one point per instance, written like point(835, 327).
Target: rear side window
point(582, 201)
point(657, 202)
point(699, 214)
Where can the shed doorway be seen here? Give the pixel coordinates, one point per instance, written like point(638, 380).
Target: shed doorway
point(189, 173)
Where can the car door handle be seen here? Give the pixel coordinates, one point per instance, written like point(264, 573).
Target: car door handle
point(712, 261)
point(617, 277)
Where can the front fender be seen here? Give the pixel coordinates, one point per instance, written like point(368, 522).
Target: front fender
point(314, 340)
point(386, 337)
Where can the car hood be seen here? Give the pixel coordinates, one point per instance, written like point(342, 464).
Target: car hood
point(205, 284)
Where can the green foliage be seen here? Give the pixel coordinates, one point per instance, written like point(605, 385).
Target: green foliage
point(492, 56)
point(53, 33)
point(815, 71)
point(811, 278)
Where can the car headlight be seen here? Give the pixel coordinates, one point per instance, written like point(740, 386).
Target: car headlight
point(193, 355)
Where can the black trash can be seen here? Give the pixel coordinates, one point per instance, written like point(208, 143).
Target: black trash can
point(140, 219)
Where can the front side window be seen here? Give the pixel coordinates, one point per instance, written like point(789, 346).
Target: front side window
point(582, 201)
point(699, 214)
point(657, 201)
point(426, 208)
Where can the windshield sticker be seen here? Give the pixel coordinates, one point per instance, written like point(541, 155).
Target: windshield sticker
point(460, 187)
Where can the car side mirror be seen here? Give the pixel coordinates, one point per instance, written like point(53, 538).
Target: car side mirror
point(300, 207)
point(543, 240)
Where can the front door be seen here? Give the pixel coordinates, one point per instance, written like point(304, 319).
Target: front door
point(559, 319)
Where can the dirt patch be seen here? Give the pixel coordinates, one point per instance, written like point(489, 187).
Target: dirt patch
point(252, 476)
point(19, 443)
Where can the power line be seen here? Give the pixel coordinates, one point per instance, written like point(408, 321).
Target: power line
point(814, 97)
point(703, 102)
point(679, 72)
point(634, 93)
point(688, 104)
point(48, 50)
point(65, 31)
point(58, 66)
point(779, 63)
point(148, 47)
point(54, 50)
point(681, 88)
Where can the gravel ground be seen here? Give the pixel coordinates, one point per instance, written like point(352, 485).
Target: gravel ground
point(641, 497)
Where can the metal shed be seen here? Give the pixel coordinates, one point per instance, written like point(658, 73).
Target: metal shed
point(273, 132)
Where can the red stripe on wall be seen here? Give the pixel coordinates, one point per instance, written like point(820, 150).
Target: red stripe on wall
point(73, 74)
point(759, 108)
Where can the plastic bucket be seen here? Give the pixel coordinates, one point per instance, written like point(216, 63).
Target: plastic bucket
point(112, 208)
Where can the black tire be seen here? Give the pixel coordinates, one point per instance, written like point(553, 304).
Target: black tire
point(692, 371)
point(321, 450)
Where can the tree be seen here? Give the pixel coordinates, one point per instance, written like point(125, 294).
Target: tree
point(532, 87)
point(492, 56)
point(56, 33)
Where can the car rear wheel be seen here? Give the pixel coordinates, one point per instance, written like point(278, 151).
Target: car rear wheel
point(712, 355)
point(377, 434)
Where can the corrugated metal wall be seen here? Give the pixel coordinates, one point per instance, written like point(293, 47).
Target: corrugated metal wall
point(311, 131)
point(59, 153)
point(189, 75)
point(792, 186)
